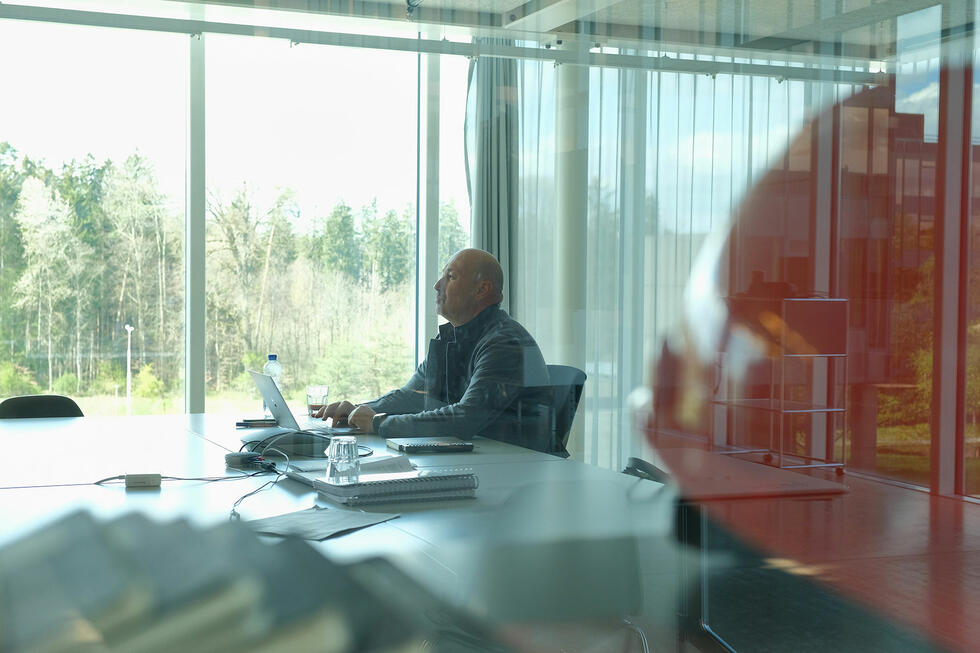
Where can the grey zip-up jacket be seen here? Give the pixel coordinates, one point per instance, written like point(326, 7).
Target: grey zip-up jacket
point(486, 377)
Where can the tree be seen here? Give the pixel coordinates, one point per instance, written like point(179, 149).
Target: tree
point(16, 380)
point(452, 237)
point(335, 242)
point(389, 249)
point(146, 383)
point(234, 253)
point(280, 252)
point(248, 258)
point(11, 249)
point(49, 245)
point(134, 207)
point(81, 184)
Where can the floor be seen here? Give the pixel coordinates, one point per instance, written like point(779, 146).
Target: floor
point(903, 554)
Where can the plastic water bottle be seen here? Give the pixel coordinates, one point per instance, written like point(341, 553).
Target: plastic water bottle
point(273, 368)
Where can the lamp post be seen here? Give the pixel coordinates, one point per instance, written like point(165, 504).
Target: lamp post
point(129, 369)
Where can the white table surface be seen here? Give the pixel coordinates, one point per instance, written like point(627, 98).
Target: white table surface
point(525, 498)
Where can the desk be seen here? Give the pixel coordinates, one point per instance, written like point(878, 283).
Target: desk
point(86, 449)
point(547, 540)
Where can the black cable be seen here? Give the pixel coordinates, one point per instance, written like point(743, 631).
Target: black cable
point(122, 477)
point(215, 479)
point(233, 515)
point(261, 446)
point(33, 487)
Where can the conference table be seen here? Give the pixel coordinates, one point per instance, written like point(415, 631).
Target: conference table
point(525, 500)
point(559, 553)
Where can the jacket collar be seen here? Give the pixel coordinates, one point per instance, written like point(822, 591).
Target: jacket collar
point(472, 329)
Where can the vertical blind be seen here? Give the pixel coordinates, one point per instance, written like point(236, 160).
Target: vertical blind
point(670, 156)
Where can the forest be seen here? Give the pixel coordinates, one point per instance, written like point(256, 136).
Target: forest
point(93, 246)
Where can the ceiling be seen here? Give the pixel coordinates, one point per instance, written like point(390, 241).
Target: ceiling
point(861, 29)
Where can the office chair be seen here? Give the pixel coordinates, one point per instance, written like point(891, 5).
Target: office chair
point(39, 406)
point(567, 384)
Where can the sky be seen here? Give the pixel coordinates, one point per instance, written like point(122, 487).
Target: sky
point(917, 69)
point(330, 123)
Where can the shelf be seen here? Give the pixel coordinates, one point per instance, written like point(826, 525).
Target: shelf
point(810, 329)
point(773, 405)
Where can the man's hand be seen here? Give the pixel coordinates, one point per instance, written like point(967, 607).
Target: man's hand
point(362, 418)
point(338, 411)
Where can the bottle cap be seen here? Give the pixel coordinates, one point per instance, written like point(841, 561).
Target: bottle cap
point(272, 357)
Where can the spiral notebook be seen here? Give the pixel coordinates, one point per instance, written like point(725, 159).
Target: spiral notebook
point(416, 485)
point(429, 445)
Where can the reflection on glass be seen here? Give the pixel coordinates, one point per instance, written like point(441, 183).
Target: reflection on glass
point(818, 386)
point(971, 439)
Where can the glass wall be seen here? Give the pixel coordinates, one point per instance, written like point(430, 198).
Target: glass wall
point(311, 160)
point(861, 201)
point(816, 185)
point(818, 190)
point(971, 418)
point(312, 186)
point(670, 158)
point(91, 216)
point(888, 189)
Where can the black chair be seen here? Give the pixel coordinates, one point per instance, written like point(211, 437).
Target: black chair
point(39, 406)
point(567, 384)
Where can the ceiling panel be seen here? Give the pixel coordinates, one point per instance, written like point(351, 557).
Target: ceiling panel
point(849, 28)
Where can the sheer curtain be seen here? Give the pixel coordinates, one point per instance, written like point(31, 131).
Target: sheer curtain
point(669, 157)
point(492, 146)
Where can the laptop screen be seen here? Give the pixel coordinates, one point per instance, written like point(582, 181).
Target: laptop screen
point(284, 417)
point(274, 401)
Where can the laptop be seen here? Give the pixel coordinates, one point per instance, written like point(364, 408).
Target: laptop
point(285, 421)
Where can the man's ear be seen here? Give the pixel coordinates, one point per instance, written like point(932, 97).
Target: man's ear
point(483, 288)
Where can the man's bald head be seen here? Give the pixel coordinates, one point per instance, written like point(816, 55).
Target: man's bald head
point(471, 281)
point(484, 265)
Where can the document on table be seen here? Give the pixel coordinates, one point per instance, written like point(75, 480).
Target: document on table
point(317, 523)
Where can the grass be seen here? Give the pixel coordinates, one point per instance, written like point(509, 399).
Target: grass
point(904, 453)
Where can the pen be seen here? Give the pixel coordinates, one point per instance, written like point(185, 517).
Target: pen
point(248, 423)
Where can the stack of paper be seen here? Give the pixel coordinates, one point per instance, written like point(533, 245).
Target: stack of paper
point(140, 586)
point(415, 485)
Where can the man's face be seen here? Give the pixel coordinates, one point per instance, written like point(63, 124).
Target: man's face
point(456, 291)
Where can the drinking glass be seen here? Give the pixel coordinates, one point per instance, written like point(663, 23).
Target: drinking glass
point(344, 466)
point(316, 398)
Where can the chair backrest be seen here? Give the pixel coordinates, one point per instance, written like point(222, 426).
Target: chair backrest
point(567, 384)
point(39, 406)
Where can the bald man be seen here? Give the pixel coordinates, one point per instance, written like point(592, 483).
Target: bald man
point(483, 375)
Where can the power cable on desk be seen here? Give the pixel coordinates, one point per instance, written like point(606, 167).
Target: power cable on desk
point(34, 487)
point(270, 467)
point(122, 477)
point(206, 479)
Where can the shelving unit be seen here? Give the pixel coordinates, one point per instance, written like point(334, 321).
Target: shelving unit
point(811, 330)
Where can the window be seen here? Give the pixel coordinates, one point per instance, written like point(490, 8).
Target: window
point(311, 188)
point(91, 216)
